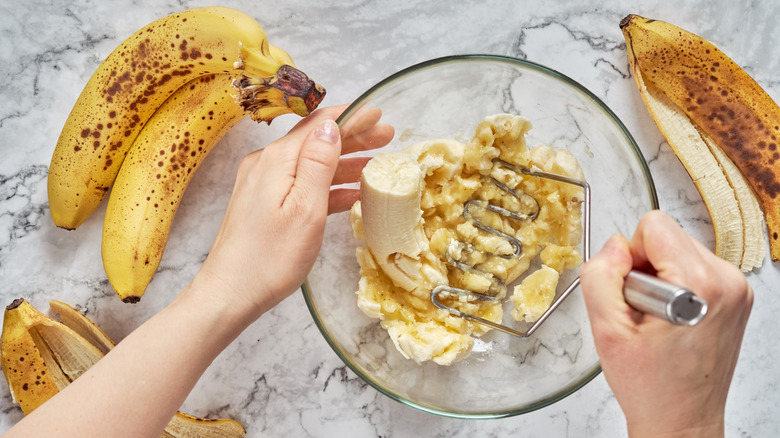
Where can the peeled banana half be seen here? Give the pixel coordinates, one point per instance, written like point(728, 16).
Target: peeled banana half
point(722, 126)
point(40, 356)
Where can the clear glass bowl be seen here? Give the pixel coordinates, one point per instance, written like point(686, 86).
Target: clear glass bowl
point(504, 375)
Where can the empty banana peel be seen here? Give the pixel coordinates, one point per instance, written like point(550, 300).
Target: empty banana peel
point(721, 125)
point(41, 356)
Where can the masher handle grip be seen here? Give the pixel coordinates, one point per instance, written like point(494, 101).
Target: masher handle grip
point(654, 296)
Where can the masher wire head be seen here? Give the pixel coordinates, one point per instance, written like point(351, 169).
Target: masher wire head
point(500, 289)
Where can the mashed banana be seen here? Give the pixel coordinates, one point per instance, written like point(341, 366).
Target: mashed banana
point(454, 174)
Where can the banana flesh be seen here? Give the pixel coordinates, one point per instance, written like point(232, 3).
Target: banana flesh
point(392, 182)
point(41, 356)
point(410, 217)
point(535, 294)
point(139, 75)
point(704, 169)
point(721, 125)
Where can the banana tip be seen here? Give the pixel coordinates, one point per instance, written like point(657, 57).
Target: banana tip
point(131, 299)
point(632, 17)
point(15, 303)
point(627, 19)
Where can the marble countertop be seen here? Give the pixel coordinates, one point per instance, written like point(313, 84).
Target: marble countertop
point(280, 378)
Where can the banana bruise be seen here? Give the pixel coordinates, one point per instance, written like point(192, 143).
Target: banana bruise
point(41, 356)
point(721, 125)
point(137, 77)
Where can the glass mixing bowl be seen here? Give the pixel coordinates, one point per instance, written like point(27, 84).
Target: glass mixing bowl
point(504, 375)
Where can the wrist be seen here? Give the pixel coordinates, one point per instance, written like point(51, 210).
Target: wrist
point(662, 429)
point(217, 308)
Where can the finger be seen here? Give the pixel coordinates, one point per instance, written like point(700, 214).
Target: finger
point(277, 163)
point(281, 155)
point(661, 244)
point(731, 281)
point(342, 199)
point(301, 130)
point(361, 120)
point(349, 170)
point(356, 125)
point(317, 165)
point(326, 112)
point(371, 138)
point(602, 279)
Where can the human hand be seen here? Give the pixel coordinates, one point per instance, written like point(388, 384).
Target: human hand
point(669, 380)
point(275, 220)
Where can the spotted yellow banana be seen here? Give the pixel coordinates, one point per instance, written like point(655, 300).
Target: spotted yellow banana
point(41, 356)
point(159, 167)
point(722, 126)
point(152, 180)
point(138, 76)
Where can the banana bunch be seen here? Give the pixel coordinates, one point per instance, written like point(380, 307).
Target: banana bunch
point(40, 356)
point(150, 114)
point(722, 126)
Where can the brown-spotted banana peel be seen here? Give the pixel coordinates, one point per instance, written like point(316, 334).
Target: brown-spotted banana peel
point(40, 356)
point(721, 125)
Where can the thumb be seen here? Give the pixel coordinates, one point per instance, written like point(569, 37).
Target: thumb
point(602, 279)
point(317, 163)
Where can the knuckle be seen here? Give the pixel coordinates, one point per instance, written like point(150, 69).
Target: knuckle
point(248, 161)
point(725, 283)
point(699, 274)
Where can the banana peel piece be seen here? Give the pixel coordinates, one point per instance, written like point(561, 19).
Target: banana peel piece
point(707, 175)
point(715, 118)
point(29, 379)
point(40, 356)
point(82, 325)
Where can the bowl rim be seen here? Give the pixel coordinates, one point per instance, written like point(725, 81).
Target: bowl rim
point(356, 104)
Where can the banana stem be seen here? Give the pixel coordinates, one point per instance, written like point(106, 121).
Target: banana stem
point(288, 87)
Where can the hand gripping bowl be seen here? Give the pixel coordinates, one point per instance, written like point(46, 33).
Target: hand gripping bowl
point(504, 375)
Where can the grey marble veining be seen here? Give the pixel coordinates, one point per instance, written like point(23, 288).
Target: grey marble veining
point(280, 378)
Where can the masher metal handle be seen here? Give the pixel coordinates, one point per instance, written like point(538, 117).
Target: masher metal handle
point(653, 296)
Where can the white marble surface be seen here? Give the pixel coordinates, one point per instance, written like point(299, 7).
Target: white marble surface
point(280, 378)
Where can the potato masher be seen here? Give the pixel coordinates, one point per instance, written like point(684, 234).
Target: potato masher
point(641, 291)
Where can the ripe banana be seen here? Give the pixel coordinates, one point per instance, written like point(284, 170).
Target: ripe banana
point(154, 176)
point(41, 356)
point(158, 169)
point(140, 74)
point(721, 125)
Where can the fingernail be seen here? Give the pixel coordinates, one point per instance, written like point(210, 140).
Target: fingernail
point(328, 131)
